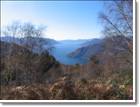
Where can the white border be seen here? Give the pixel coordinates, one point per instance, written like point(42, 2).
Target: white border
point(134, 51)
point(95, 101)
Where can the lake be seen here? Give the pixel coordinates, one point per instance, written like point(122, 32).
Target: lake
point(63, 48)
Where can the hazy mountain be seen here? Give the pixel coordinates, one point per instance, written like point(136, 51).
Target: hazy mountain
point(78, 41)
point(76, 51)
point(65, 51)
point(88, 49)
point(10, 39)
point(46, 42)
point(92, 42)
point(63, 48)
point(96, 46)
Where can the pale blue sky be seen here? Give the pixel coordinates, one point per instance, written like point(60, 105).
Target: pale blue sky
point(64, 19)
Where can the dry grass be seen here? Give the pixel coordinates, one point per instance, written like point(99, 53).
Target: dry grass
point(64, 89)
point(33, 92)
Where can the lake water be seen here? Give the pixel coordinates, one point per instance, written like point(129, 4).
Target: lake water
point(62, 49)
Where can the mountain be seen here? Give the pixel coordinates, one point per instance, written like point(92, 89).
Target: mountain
point(45, 42)
point(63, 48)
point(12, 48)
point(17, 40)
point(71, 52)
point(119, 44)
point(10, 39)
point(88, 49)
point(92, 42)
point(78, 41)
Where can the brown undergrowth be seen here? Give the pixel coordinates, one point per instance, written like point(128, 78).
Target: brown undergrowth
point(64, 89)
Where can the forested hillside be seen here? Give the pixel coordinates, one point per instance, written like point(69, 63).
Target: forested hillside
point(28, 72)
point(108, 75)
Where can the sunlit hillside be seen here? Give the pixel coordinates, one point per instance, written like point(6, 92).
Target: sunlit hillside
point(40, 64)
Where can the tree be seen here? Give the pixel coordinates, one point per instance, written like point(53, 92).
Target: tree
point(32, 35)
point(22, 58)
point(118, 21)
point(118, 18)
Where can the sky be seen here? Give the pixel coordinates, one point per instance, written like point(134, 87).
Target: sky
point(63, 19)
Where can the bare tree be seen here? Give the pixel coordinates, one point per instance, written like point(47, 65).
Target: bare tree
point(22, 58)
point(32, 36)
point(118, 21)
point(118, 18)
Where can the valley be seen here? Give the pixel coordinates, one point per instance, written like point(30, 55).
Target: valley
point(74, 50)
point(62, 50)
point(67, 52)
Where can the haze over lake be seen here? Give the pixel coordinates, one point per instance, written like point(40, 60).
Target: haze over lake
point(63, 48)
